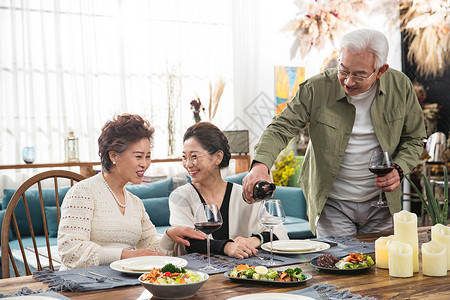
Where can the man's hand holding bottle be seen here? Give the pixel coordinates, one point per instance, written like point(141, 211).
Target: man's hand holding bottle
point(257, 184)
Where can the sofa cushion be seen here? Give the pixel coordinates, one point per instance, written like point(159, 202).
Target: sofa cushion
point(236, 178)
point(155, 189)
point(158, 210)
point(34, 207)
point(293, 200)
point(299, 230)
point(52, 220)
point(2, 215)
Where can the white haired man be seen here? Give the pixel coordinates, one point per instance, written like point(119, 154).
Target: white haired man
point(354, 109)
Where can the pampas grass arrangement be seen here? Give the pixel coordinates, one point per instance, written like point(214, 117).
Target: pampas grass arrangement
point(320, 21)
point(427, 26)
point(214, 96)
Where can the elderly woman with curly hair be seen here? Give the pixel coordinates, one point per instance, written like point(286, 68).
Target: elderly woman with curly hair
point(101, 221)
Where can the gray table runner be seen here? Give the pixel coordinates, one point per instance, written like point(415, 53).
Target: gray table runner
point(327, 291)
point(26, 292)
point(70, 280)
point(225, 263)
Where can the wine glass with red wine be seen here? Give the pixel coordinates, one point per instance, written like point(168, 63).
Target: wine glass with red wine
point(380, 164)
point(208, 219)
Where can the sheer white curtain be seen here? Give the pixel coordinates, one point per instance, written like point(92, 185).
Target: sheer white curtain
point(74, 64)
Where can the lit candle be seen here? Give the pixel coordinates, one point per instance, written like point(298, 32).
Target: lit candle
point(434, 259)
point(441, 234)
point(405, 230)
point(381, 251)
point(400, 259)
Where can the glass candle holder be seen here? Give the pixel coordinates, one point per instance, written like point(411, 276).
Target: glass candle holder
point(28, 155)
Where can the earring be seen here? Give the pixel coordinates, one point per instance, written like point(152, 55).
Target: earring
point(114, 162)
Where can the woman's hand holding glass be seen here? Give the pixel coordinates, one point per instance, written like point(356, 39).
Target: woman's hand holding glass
point(181, 234)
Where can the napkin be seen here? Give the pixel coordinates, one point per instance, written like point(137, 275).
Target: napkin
point(70, 280)
point(26, 291)
point(327, 291)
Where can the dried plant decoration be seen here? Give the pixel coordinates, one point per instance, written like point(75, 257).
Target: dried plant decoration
point(173, 88)
point(214, 96)
point(427, 26)
point(320, 21)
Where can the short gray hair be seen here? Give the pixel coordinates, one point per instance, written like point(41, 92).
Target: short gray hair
point(367, 39)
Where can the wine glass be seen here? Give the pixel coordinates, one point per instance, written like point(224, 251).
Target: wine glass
point(380, 164)
point(208, 219)
point(271, 215)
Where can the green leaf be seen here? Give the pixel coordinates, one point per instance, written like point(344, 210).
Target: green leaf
point(433, 209)
point(421, 197)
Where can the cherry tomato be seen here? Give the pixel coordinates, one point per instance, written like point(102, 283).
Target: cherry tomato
point(167, 274)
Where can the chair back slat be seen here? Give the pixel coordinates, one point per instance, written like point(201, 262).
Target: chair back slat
point(31, 228)
point(44, 223)
point(10, 221)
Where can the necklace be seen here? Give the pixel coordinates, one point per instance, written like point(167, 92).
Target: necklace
point(114, 195)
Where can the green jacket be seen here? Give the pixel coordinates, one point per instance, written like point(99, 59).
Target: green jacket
point(321, 101)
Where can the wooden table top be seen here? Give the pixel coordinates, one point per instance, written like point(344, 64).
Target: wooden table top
point(375, 283)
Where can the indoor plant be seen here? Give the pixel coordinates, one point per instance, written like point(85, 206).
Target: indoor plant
point(432, 204)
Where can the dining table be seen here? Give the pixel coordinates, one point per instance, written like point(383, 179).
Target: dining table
point(374, 282)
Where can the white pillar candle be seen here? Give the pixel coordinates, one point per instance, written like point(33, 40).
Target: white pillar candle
point(381, 251)
point(400, 259)
point(441, 234)
point(434, 259)
point(405, 230)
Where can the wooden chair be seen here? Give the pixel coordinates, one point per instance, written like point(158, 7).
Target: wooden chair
point(19, 197)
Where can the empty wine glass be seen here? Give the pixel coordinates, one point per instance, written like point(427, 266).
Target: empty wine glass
point(271, 215)
point(208, 219)
point(380, 164)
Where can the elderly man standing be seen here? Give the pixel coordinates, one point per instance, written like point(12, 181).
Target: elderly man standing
point(353, 110)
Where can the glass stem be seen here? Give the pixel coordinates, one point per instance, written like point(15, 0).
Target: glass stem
point(208, 249)
point(380, 198)
point(271, 244)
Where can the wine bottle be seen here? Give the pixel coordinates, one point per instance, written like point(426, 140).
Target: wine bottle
point(262, 190)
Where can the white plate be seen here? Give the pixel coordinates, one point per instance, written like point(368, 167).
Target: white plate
point(33, 297)
point(271, 296)
point(142, 264)
point(318, 246)
point(294, 245)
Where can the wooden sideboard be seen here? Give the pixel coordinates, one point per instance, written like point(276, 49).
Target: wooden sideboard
point(242, 164)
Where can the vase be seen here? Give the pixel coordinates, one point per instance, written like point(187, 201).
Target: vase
point(28, 155)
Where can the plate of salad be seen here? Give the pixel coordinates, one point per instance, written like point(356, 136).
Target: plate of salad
point(349, 264)
point(262, 275)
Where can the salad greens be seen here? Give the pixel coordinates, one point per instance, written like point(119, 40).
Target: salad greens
point(172, 269)
point(262, 273)
point(355, 261)
point(169, 274)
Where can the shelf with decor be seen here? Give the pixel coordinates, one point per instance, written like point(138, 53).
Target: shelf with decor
point(242, 164)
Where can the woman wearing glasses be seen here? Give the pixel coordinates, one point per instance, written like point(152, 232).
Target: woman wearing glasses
point(205, 153)
point(353, 110)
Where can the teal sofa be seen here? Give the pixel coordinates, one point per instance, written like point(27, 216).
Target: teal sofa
point(155, 197)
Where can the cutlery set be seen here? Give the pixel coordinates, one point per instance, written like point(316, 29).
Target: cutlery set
point(97, 279)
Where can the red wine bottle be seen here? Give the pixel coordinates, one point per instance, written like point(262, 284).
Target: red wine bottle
point(262, 190)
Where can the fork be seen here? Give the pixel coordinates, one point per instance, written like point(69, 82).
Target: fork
point(102, 279)
point(323, 295)
point(104, 276)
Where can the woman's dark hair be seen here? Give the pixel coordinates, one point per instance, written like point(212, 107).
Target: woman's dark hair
point(118, 134)
point(211, 138)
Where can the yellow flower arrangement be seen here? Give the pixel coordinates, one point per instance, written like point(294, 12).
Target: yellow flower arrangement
point(285, 167)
